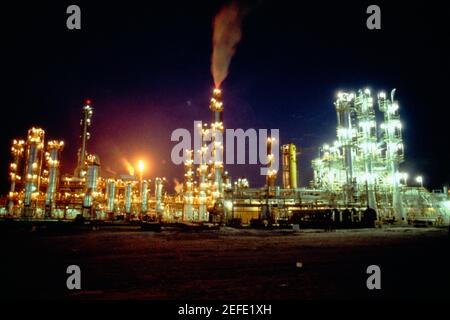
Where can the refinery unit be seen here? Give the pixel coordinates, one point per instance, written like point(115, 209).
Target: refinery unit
point(357, 179)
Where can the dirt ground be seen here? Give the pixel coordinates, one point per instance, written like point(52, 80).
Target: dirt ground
point(236, 264)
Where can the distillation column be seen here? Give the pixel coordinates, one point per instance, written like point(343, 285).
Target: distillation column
point(17, 150)
point(159, 184)
point(91, 185)
point(394, 149)
point(110, 196)
point(144, 198)
point(345, 135)
point(128, 199)
point(271, 173)
point(34, 154)
point(367, 141)
point(85, 123)
point(54, 149)
point(188, 210)
point(271, 177)
point(289, 152)
point(217, 128)
point(202, 172)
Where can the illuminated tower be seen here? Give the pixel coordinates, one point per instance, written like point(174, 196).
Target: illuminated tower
point(128, 198)
point(159, 186)
point(143, 187)
point(289, 152)
point(144, 196)
point(110, 195)
point(91, 184)
point(271, 177)
point(34, 156)
point(54, 149)
point(216, 107)
point(188, 210)
point(271, 173)
point(345, 135)
point(17, 150)
point(394, 148)
point(85, 123)
point(367, 141)
point(202, 174)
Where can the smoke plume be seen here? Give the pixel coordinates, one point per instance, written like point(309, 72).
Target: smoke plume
point(128, 166)
point(227, 34)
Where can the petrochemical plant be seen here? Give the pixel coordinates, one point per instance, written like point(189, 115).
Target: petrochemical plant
point(357, 179)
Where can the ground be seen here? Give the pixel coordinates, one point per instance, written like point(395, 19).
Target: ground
point(229, 263)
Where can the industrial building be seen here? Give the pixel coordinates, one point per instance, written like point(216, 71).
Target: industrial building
point(357, 179)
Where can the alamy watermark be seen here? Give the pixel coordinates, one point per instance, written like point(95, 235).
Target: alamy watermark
point(74, 279)
point(73, 21)
point(374, 280)
point(238, 146)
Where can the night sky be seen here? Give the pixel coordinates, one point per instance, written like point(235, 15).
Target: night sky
point(146, 67)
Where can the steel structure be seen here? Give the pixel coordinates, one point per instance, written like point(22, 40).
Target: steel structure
point(361, 169)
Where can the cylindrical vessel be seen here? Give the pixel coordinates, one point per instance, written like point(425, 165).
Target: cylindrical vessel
point(289, 153)
point(85, 135)
point(158, 196)
point(394, 149)
point(91, 180)
point(286, 169)
point(17, 150)
point(54, 149)
point(188, 188)
point(128, 192)
point(293, 166)
point(110, 195)
point(345, 134)
point(271, 174)
point(144, 192)
point(35, 151)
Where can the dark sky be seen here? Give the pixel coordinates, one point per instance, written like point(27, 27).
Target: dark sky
point(146, 66)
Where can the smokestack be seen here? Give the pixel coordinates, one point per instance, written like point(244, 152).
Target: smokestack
point(217, 129)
